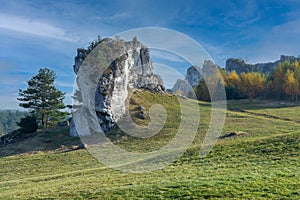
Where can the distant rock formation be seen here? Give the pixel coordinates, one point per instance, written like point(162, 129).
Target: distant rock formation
point(241, 66)
point(193, 77)
point(182, 87)
point(132, 70)
point(209, 68)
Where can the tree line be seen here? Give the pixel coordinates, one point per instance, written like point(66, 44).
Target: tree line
point(282, 84)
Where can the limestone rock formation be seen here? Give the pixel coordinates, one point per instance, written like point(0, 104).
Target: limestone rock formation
point(193, 77)
point(73, 131)
point(81, 55)
point(132, 70)
point(241, 66)
point(209, 68)
point(182, 87)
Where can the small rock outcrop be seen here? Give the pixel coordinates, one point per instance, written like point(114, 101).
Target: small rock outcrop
point(241, 66)
point(132, 70)
point(14, 137)
point(233, 134)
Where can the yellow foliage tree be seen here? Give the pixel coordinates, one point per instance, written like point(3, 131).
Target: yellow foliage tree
point(234, 78)
point(286, 81)
point(291, 86)
point(251, 84)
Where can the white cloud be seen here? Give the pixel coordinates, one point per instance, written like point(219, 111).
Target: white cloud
point(33, 27)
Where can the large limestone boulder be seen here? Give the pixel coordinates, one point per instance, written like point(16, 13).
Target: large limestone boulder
point(132, 70)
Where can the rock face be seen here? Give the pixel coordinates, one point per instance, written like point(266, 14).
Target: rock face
point(81, 55)
point(209, 68)
point(133, 70)
point(241, 66)
point(182, 87)
point(193, 75)
point(73, 131)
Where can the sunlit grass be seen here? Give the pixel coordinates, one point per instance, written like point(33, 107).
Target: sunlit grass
point(263, 163)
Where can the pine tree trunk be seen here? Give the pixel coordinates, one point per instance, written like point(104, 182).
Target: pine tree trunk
point(43, 122)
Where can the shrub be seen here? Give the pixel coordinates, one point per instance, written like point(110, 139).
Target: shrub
point(28, 124)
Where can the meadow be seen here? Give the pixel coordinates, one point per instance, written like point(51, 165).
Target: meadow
point(262, 163)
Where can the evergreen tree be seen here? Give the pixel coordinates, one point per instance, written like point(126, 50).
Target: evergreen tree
point(28, 124)
point(43, 99)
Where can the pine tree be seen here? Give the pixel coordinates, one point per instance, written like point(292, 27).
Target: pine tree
point(43, 99)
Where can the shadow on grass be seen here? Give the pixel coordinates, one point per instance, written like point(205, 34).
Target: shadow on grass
point(257, 104)
point(54, 139)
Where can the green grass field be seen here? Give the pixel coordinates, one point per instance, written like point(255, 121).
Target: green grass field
point(263, 163)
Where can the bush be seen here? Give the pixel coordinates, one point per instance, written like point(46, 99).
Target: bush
point(28, 124)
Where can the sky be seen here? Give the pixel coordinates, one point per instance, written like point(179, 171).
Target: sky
point(41, 33)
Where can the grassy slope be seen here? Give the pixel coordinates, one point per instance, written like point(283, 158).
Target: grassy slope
point(262, 164)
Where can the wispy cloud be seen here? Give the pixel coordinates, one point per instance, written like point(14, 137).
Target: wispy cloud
point(160, 54)
point(290, 27)
point(64, 84)
point(33, 27)
point(242, 13)
point(5, 66)
point(8, 102)
point(115, 16)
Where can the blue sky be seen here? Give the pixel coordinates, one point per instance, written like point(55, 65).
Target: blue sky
point(35, 34)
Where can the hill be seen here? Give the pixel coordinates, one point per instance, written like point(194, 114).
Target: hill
point(9, 119)
point(261, 162)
